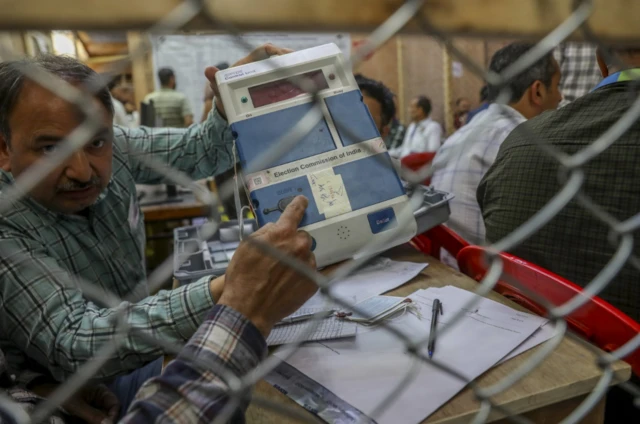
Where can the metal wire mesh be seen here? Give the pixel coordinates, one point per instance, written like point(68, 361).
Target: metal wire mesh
point(237, 388)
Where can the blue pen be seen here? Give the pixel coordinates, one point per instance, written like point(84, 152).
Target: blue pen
point(435, 309)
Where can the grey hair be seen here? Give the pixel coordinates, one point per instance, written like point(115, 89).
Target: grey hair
point(542, 70)
point(12, 78)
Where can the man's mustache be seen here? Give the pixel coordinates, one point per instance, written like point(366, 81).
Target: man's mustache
point(74, 185)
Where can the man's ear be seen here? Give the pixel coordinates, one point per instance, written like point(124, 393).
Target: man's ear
point(5, 164)
point(602, 64)
point(537, 92)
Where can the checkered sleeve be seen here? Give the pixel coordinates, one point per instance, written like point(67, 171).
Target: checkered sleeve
point(46, 316)
point(579, 70)
point(190, 392)
point(200, 151)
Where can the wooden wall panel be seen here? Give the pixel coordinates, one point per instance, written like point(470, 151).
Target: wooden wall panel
point(412, 65)
point(422, 68)
point(142, 67)
point(468, 84)
point(383, 65)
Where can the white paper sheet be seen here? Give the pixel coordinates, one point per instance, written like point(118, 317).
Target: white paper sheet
point(544, 333)
point(364, 370)
point(377, 277)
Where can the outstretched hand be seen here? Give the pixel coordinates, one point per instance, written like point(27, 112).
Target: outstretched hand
point(261, 287)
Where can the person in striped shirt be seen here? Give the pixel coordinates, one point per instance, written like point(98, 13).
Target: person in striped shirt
point(170, 105)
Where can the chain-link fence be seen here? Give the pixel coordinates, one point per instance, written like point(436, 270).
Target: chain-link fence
point(572, 180)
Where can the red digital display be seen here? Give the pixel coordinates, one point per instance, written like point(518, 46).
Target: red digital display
point(277, 91)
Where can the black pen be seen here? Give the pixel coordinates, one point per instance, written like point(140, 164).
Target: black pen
point(435, 309)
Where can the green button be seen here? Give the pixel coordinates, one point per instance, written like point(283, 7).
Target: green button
point(244, 100)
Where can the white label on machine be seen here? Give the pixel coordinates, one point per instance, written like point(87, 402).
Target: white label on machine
point(316, 164)
point(330, 196)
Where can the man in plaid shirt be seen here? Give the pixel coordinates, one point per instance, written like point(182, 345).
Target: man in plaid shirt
point(459, 167)
point(259, 291)
point(579, 69)
point(82, 225)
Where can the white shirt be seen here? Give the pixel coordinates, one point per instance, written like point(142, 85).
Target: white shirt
point(425, 136)
point(120, 114)
point(459, 170)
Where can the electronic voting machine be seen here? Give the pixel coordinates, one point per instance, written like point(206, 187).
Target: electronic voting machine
point(341, 165)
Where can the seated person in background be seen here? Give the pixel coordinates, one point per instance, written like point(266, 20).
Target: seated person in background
point(463, 106)
point(574, 244)
point(258, 292)
point(484, 103)
point(128, 100)
point(119, 111)
point(83, 224)
point(459, 167)
point(170, 105)
point(423, 134)
point(379, 100)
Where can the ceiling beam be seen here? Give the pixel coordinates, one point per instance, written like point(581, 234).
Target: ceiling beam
point(611, 19)
point(94, 48)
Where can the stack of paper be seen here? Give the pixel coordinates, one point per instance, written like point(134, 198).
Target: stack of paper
point(378, 276)
point(366, 370)
point(326, 329)
point(377, 308)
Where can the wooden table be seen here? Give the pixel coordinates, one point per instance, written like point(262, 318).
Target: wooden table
point(546, 395)
point(188, 208)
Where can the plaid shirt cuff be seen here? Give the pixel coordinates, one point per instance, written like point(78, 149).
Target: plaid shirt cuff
point(251, 343)
point(193, 391)
point(228, 338)
point(189, 305)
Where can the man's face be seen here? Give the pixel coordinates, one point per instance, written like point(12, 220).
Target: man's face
point(375, 109)
point(38, 123)
point(123, 93)
point(551, 96)
point(464, 106)
point(415, 113)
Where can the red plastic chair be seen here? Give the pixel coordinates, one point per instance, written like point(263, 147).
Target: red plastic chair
point(597, 321)
point(416, 161)
point(439, 237)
